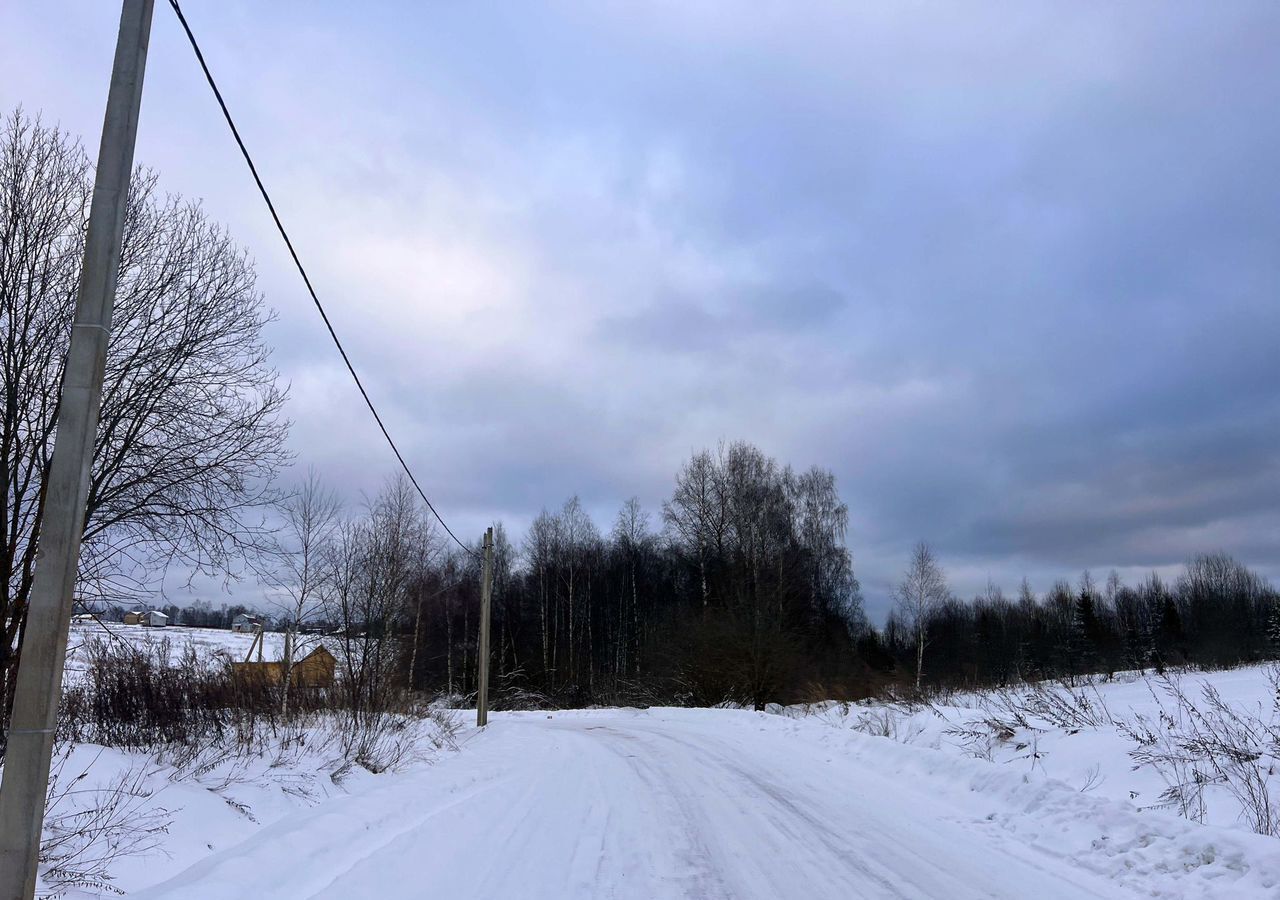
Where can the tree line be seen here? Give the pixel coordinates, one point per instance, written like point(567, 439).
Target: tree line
point(744, 585)
point(197, 614)
point(741, 587)
point(1216, 613)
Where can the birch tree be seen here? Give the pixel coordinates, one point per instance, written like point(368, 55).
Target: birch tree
point(632, 538)
point(695, 515)
point(922, 590)
point(311, 515)
point(372, 563)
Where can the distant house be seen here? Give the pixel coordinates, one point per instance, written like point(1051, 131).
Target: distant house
point(155, 619)
point(83, 619)
point(246, 624)
point(315, 670)
point(134, 617)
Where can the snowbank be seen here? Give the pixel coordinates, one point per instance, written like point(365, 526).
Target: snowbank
point(1070, 788)
point(129, 819)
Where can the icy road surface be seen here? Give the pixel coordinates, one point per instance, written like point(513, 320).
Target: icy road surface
point(643, 804)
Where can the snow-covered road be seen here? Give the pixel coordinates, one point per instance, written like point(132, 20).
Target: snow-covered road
point(641, 804)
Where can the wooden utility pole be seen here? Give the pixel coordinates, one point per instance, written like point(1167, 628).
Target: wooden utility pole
point(486, 593)
point(44, 638)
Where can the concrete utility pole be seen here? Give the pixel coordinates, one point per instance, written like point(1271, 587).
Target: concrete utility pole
point(486, 593)
point(44, 638)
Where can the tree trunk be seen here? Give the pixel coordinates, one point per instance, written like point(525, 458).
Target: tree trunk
point(448, 652)
point(919, 656)
point(542, 598)
point(286, 667)
point(413, 654)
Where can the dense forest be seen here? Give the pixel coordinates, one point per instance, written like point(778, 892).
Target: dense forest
point(741, 587)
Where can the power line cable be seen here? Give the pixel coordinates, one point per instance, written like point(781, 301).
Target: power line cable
point(262, 189)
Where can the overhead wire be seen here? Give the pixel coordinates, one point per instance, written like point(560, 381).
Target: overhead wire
point(262, 189)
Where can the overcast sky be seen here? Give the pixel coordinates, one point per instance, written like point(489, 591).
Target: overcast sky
point(1012, 271)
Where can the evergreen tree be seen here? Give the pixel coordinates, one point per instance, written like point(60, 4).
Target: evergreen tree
point(1086, 634)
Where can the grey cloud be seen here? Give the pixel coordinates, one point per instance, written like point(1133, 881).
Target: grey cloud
point(1011, 273)
point(691, 326)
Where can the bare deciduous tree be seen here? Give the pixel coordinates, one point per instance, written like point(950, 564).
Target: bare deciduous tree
point(922, 590)
point(372, 564)
point(579, 540)
point(310, 518)
point(191, 431)
point(695, 514)
point(539, 552)
point(821, 522)
point(632, 537)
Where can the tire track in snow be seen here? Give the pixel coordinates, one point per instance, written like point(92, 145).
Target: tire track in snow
point(702, 804)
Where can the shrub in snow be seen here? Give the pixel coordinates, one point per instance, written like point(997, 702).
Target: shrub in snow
point(166, 716)
point(89, 823)
point(1206, 743)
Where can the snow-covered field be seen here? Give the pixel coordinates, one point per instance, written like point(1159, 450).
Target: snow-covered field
point(204, 640)
point(830, 801)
